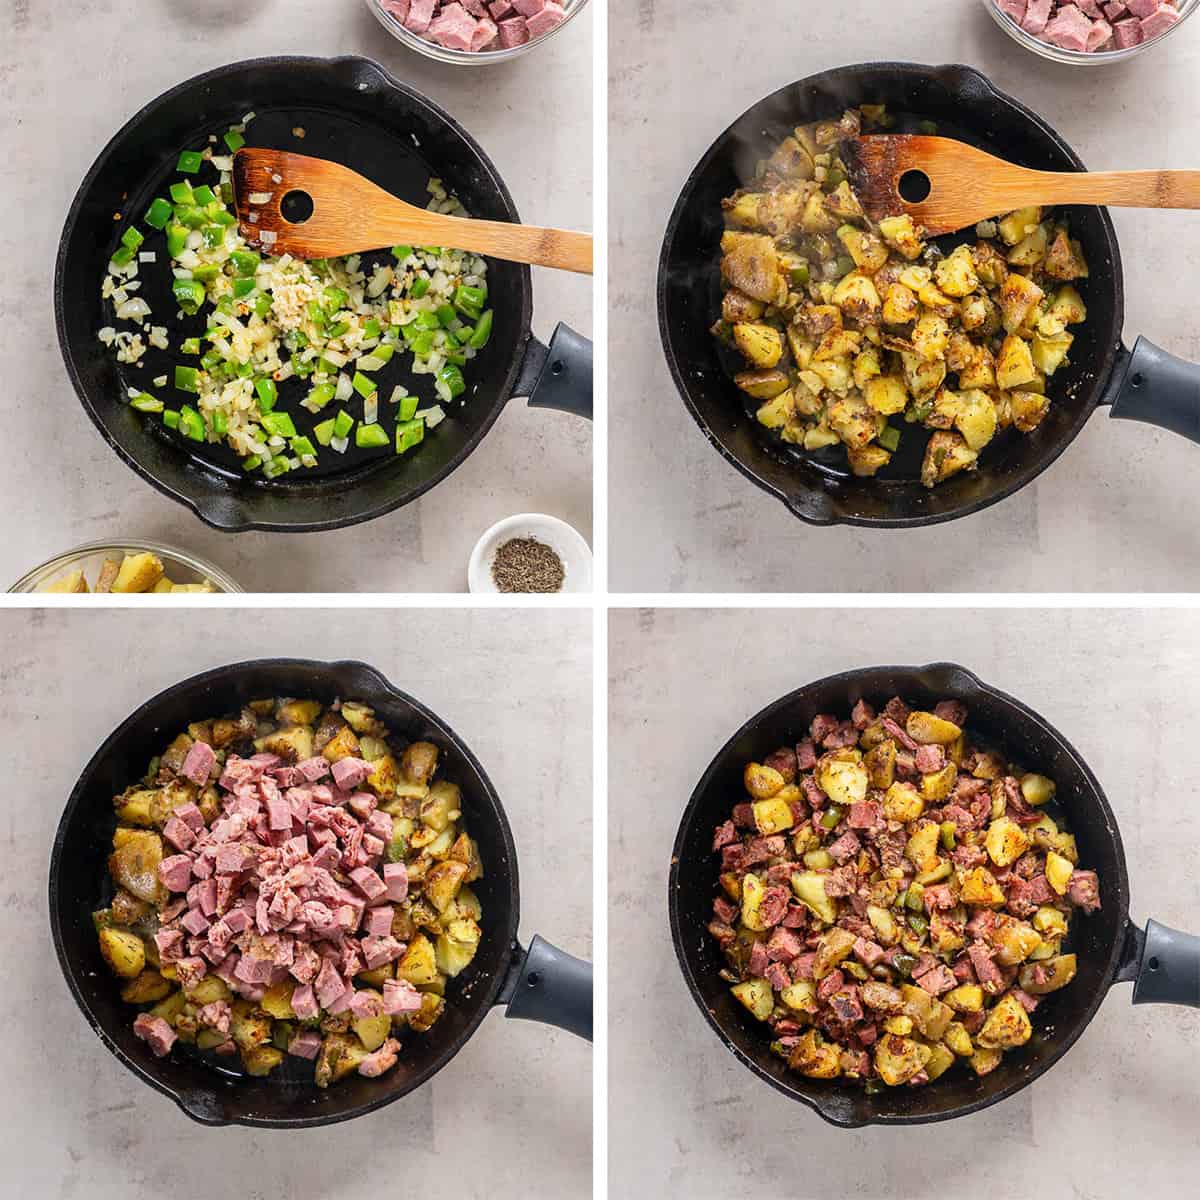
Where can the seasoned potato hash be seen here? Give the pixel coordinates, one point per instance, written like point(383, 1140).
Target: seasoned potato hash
point(893, 897)
point(848, 328)
point(290, 880)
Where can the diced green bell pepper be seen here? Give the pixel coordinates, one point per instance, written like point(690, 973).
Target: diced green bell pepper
point(452, 377)
point(191, 423)
point(369, 437)
point(268, 393)
point(364, 385)
point(408, 434)
point(234, 141)
point(407, 408)
point(278, 424)
point(159, 213)
point(482, 332)
point(321, 396)
point(182, 193)
point(324, 432)
point(342, 424)
point(171, 419)
point(190, 162)
point(245, 262)
point(144, 402)
point(187, 379)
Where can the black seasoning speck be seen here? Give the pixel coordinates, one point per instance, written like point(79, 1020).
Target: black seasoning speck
point(527, 565)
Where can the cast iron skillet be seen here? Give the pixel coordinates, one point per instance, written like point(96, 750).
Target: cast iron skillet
point(541, 983)
point(353, 112)
point(1164, 965)
point(1147, 385)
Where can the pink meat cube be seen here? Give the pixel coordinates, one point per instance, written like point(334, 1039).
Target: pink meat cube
point(154, 1031)
point(1159, 21)
point(279, 815)
point(420, 13)
point(528, 8)
point(195, 922)
point(1036, 16)
point(179, 834)
point(380, 950)
point(365, 1005)
point(198, 764)
point(304, 1002)
point(1100, 35)
point(398, 9)
point(175, 873)
point(306, 1044)
point(1069, 29)
point(313, 768)
point(484, 35)
point(542, 22)
point(191, 816)
point(513, 32)
point(399, 996)
point(348, 773)
point(368, 883)
point(1115, 11)
point(395, 877)
point(1127, 33)
point(329, 985)
point(1014, 8)
point(1142, 8)
point(500, 9)
point(1090, 8)
point(379, 920)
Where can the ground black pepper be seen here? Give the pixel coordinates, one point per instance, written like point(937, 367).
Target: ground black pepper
point(527, 565)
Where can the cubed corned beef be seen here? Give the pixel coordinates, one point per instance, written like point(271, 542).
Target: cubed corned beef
point(199, 762)
point(833, 982)
point(783, 945)
point(175, 873)
point(1083, 890)
point(155, 1032)
point(845, 848)
point(305, 1044)
point(806, 755)
point(777, 976)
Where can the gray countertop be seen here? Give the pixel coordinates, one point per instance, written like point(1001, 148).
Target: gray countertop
point(73, 75)
point(1110, 515)
point(516, 686)
point(1115, 1117)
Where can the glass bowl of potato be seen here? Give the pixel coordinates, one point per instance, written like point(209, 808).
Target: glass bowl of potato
point(125, 568)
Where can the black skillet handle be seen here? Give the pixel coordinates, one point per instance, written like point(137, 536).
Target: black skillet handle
point(550, 986)
point(1163, 964)
point(1159, 389)
point(559, 375)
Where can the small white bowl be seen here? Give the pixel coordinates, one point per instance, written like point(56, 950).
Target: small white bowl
point(564, 540)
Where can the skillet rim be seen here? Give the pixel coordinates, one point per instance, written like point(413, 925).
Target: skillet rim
point(811, 503)
point(231, 498)
point(198, 1106)
point(941, 672)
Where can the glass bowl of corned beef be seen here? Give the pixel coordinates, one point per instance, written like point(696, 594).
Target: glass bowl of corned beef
point(474, 33)
point(1090, 32)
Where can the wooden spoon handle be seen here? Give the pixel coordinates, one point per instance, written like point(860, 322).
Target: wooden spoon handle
point(1120, 189)
point(564, 249)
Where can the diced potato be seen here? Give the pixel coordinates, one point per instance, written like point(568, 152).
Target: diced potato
point(457, 946)
point(442, 883)
point(883, 923)
point(249, 1027)
point(929, 1014)
point(866, 366)
point(751, 265)
point(900, 305)
point(880, 762)
point(958, 1039)
point(762, 385)
point(1007, 1025)
point(976, 418)
point(72, 581)
point(1019, 224)
point(1068, 306)
point(901, 234)
point(928, 729)
point(1042, 977)
point(810, 891)
point(940, 1061)
point(138, 573)
point(761, 344)
point(1049, 353)
point(836, 945)
point(210, 989)
point(134, 864)
point(261, 1060)
point(292, 744)
point(1050, 921)
point(815, 1057)
point(300, 712)
point(955, 274)
point(762, 782)
point(844, 782)
point(923, 846)
point(772, 816)
point(138, 807)
point(418, 965)
point(853, 420)
point(984, 1061)
point(1065, 260)
point(1031, 249)
point(743, 209)
point(979, 887)
point(753, 890)
point(1006, 841)
point(1014, 367)
point(886, 395)
point(817, 217)
point(938, 785)
point(866, 461)
point(900, 1025)
point(278, 1001)
point(340, 1055)
point(1019, 298)
point(146, 988)
point(967, 997)
point(856, 296)
point(1037, 789)
point(1027, 409)
point(1058, 872)
point(868, 252)
point(898, 1059)
point(757, 996)
point(801, 996)
point(931, 337)
point(442, 805)
point(902, 802)
point(1015, 942)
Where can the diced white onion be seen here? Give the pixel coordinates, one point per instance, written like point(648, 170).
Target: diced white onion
point(134, 309)
point(261, 198)
point(147, 256)
point(345, 389)
point(269, 237)
point(160, 381)
point(371, 409)
point(339, 444)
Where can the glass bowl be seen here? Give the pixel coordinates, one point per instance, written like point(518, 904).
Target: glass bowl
point(464, 58)
point(179, 566)
point(1079, 58)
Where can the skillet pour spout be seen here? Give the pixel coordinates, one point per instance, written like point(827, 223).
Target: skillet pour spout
point(818, 487)
point(540, 983)
point(1164, 965)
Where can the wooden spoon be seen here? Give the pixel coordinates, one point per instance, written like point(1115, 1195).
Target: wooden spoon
point(350, 215)
point(967, 185)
